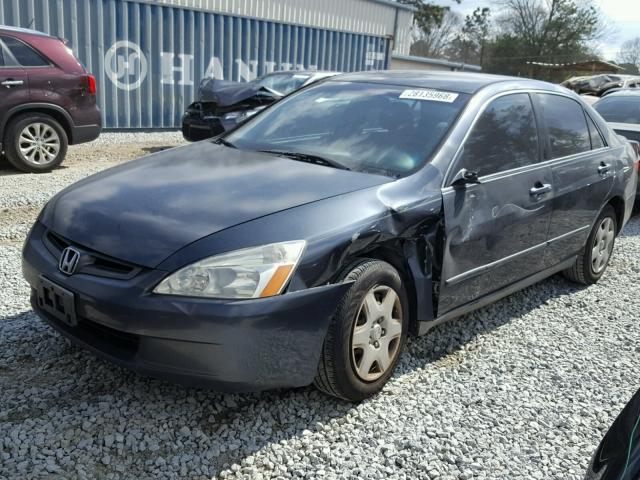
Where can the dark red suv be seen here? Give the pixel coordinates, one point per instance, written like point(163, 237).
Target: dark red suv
point(47, 100)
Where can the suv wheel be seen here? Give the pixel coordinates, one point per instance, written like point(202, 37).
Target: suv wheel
point(35, 143)
point(590, 266)
point(366, 334)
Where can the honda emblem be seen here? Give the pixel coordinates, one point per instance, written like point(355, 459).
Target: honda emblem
point(69, 261)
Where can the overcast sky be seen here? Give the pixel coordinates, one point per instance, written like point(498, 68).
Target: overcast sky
point(623, 15)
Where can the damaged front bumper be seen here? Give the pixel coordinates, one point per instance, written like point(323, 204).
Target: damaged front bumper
point(232, 346)
point(199, 124)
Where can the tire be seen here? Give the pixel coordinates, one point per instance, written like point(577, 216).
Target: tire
point(49, 146)
point(588, 267)
point(342, 370)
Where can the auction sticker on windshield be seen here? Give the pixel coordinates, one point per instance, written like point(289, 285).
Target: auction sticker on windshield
point(433, 95)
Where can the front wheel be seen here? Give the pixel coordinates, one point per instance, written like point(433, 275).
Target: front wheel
point(366, 334)
point(593, 262)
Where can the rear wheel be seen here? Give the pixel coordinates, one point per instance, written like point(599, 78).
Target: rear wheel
point(593, 262)
point(366, 335)
point(35, 143)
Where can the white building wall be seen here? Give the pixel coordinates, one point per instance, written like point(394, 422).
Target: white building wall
point(402, 64)
point(358, 16)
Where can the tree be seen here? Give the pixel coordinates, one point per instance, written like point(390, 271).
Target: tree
point(543, 31)
point(469, 44)
point(630, 68)
point(436, 41)
point(428, 15)
point(630, 53)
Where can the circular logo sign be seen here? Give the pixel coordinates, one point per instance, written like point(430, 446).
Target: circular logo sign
point(126, 65)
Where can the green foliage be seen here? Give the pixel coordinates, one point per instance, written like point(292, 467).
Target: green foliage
point(552, 31)
point(514, 34)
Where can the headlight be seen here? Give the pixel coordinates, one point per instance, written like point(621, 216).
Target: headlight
point(233, 116)
point(242, 116)
point(247, 273)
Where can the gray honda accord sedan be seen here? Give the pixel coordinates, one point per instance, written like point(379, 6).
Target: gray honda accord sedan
point(307, 244)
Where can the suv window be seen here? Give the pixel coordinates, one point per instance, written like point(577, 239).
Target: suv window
point(567, 125)
point(23, 53)
point(504, 137)
point(596, 138)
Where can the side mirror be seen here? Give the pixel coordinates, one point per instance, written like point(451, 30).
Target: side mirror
point(464, 177)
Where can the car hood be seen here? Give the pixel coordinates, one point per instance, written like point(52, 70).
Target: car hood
point(143, 211)
point(225, 93)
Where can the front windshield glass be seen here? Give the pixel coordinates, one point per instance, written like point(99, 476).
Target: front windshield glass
point(283, 83)
point(385, 129)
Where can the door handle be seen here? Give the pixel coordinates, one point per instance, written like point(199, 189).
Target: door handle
point(12, 83)
point(540, 189)
point(604, 168)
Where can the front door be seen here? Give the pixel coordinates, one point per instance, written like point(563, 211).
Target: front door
point(496, 230)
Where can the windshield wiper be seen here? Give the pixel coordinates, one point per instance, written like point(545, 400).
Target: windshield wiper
point(226, 143)
point(309, 158)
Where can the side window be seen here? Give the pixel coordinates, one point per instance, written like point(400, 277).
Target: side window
point(596, 138)
point(23, 53)
point(503, 138)
point(567, 125)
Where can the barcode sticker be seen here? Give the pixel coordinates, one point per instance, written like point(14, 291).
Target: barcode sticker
point(432, 95)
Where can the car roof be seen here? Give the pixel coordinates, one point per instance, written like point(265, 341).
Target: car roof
point(302, 72)
point(463, 82)
point(28, 31)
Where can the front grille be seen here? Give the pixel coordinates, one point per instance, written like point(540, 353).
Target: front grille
point(93, 263)
point(108, 340)
point(123, 341)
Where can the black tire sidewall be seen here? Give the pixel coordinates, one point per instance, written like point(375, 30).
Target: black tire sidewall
point(12, 149)
point(378, 273)
point(590, 276)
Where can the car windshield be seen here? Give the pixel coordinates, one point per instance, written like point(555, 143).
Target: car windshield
point(283, 83)
point(619, 109)
point(384, 129)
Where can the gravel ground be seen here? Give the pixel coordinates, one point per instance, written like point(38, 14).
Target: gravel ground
point(523, 389)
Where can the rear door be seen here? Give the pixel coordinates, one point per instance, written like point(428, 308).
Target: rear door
point(14, 85)
point(496, 230)
point(47, 83)
point(583, 170)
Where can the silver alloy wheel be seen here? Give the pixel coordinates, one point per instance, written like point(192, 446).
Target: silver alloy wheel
point(602, 245)
point(39, 143)
point(375, 340)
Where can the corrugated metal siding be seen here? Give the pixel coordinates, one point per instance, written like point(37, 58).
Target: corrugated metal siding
point(149, 59)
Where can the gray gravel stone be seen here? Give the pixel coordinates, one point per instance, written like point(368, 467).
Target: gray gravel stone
point(522, 389)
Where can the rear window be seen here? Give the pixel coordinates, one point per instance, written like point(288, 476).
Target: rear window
point(23, 53)
point(596, 138)
point(619, 109)
point(566, 124)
